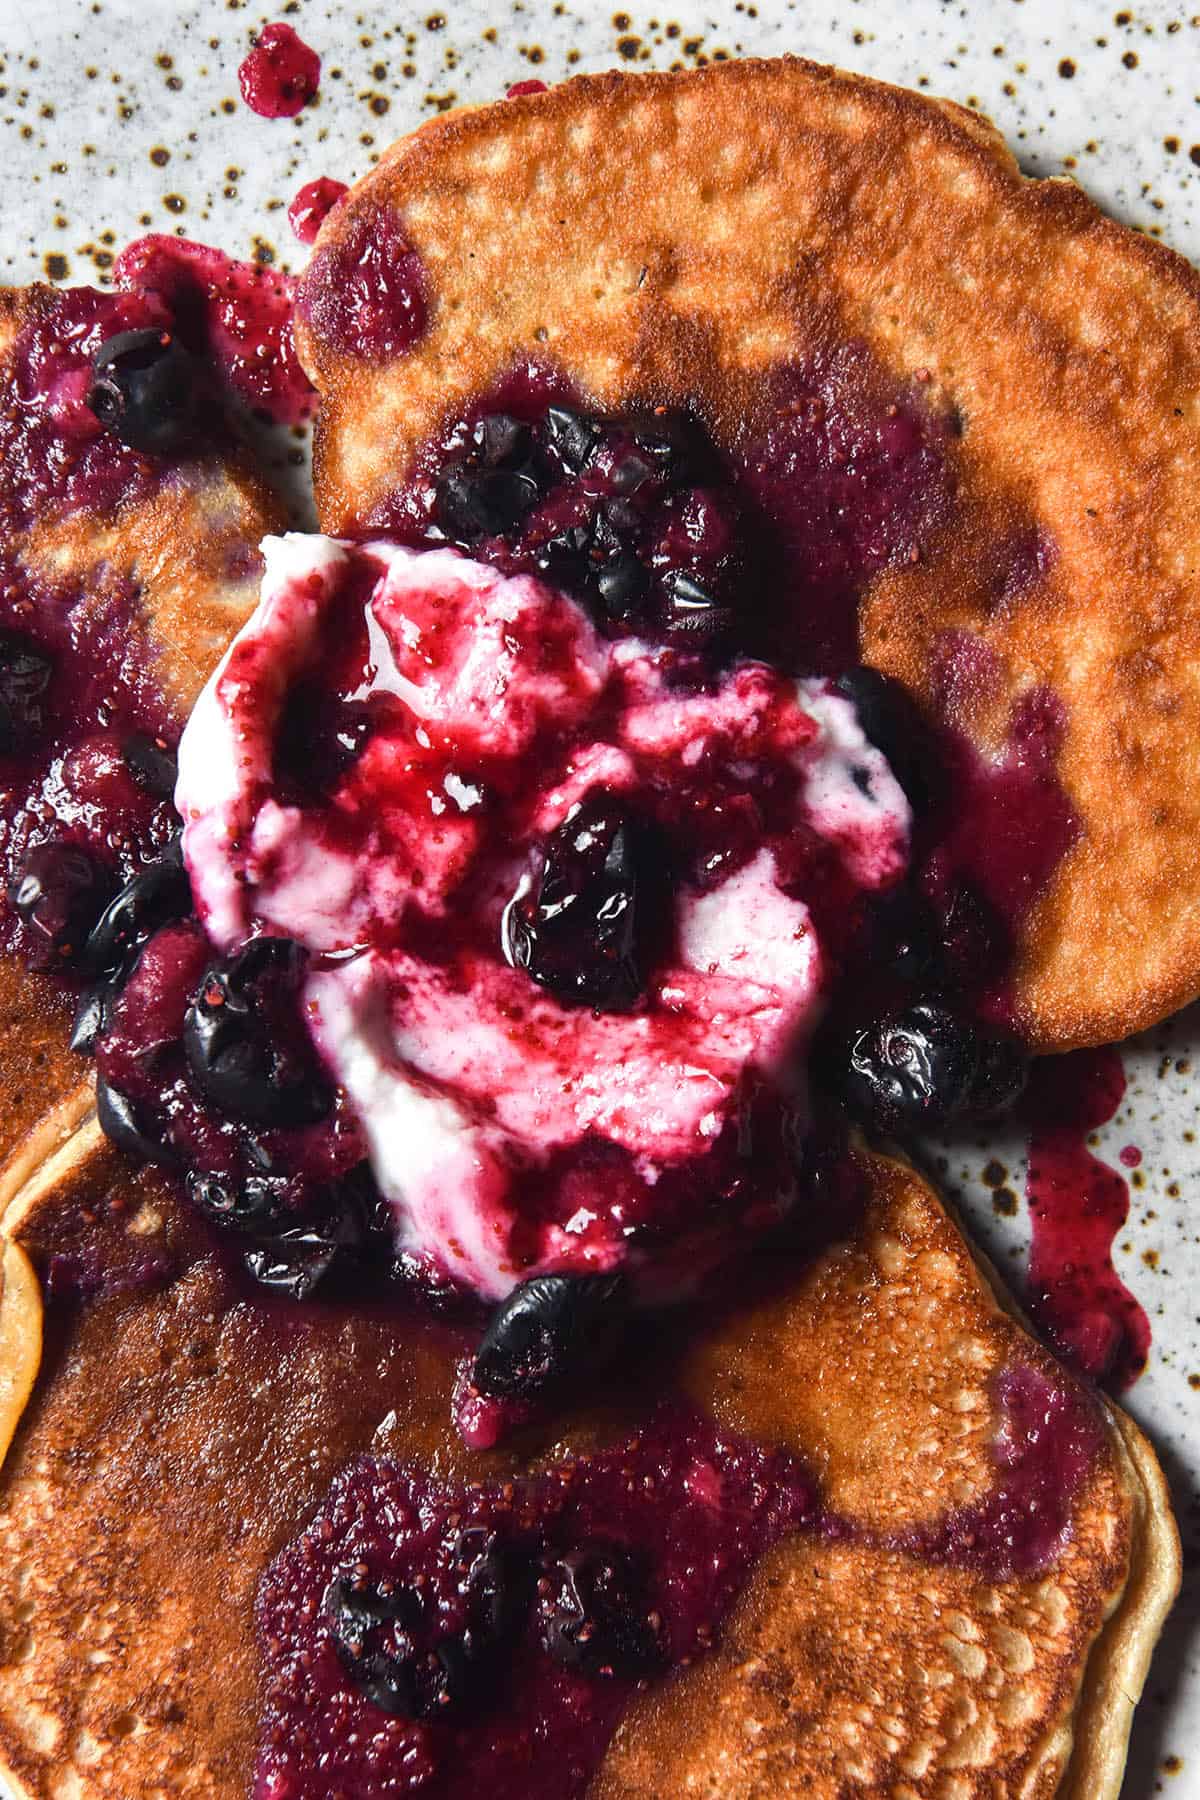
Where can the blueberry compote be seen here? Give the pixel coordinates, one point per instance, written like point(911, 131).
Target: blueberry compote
point(640, 516)
point(56, 456)
point(453, 1641)
point(236, 316)
point(486, 1639)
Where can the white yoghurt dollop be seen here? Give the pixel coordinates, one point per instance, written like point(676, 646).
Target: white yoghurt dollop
point(511, 1133)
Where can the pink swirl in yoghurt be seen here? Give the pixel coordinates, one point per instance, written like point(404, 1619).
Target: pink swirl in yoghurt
point(511, 1132)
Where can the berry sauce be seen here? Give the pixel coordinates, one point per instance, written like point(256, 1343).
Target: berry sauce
point(532, 86)
point(281, 74)
point(1077, 1204)
point(995, 842)
point(55, 456)
point(378, 1593)
point(236, 314)
point(64, 781)
point(366, 294)
point(312, 206)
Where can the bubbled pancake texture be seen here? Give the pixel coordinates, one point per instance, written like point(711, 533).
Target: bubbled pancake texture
point(181, 1436)
point(670, 237)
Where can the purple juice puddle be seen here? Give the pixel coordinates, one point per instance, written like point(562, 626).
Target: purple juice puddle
point(367, 294)
point(56, 458)
point(1077, 1204)
point(693, 1509)
point(1047, 1441)
point(851, 476)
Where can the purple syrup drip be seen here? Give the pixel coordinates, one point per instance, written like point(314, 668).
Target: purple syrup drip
point(366, 295)
point(699, 1506)
point(1077, 1204)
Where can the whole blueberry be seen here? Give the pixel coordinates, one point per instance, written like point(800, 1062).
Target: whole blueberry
point(593, 1615)
point(59, 894)
point(549, 1330)
point(144, 390)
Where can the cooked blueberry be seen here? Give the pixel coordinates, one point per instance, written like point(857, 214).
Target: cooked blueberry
point(927, 1065)
point(904, 934)
point(593, 1614)
point(151, 762)
point(474, 503)
point(91, 1018)
point(571, 436)
point(254, 1205)
point(153, 898)
point(494, 1588)
point(575, 929)
point(246, 1045)
point(548, 1330)
point(692, 608)
point(123, 1124)
point(357, 1608)
point(501, 441)
point(294, 1263)
point(675, 443)
point(565, 559)
point(1001, 1074)
point(388, 1682)
point(317, 742)
point(975, 941)
point(621, 582)
point(144, 390)
point(59, 895)
point(25, 673)
point(891, 719)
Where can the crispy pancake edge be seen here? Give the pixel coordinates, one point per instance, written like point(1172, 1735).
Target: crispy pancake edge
point(1088, 1741)
point(1077, 403)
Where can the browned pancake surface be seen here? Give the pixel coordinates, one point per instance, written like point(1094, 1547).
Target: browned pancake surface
point(672, 237)
point(177, 1438)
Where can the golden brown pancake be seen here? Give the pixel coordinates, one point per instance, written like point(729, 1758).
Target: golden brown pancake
point(179, 1434)
point(187, 549)
point(672, 238)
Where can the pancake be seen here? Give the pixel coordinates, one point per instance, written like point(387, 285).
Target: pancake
point(672, 238)
point(183, 1435)
point(172, 551)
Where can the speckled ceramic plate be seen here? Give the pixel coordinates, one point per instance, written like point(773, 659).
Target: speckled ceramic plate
point(120, 116)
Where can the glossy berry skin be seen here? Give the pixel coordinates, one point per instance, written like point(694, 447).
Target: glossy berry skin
point(25, 675)
point(59, 894)
point(549, 1330)
point(390, 1645)
point(122, 1123)
point(891, 719)
point(576, 931)
point(923, 1066)
point(151, 762)
point(246, 1046)
point(144, 391)
point(592, 1613)
point(154, 897)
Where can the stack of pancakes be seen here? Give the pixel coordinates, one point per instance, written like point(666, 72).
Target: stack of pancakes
point(665, 239)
